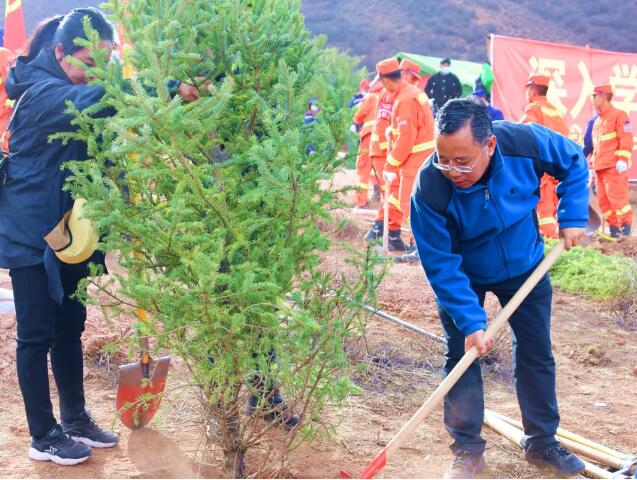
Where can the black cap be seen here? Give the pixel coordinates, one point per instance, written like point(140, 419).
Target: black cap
point(445, 60)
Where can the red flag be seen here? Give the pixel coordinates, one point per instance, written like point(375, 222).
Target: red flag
point(15, 35)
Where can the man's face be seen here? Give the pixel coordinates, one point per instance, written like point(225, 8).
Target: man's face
point(76, 74)
point(529, 94)
point(445, 68)
point(390, 84)
point(411, 78)
point(459, 149)
point(599, 101)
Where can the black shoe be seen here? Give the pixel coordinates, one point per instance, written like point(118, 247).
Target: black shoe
point(411, 257)
point(615, 232)
point(466, 465)
point(58, 447)
point(555, 456)
point(84, 429)
point(375, 232)
point(396, 243)
point(626, 230)
point(273, 409)
point(376, 194)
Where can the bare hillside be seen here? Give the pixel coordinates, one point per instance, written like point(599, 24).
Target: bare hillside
point(456, 28)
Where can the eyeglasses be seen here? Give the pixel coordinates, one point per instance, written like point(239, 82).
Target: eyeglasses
point(447, 167)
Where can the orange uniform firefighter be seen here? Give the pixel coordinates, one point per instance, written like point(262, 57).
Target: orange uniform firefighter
point(410, 143)
point(540, 111)
point(378, 138)
point(365, 118)
point(612, 152)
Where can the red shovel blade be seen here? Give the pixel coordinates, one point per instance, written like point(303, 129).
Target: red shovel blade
point(344, 475)
point(138, 397)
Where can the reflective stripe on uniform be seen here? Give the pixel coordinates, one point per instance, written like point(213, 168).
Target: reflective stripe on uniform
point(624, 210)
point(9, 103)
point(363, 186)
point(608, 136)
point(608, 213)
point(623, 153)
point(551, 112)
point(383, 145)
point(421, 147)
point(422, 99)
point(546, 221)
point(392, 161)
point(375, 138)
point(395, 131)
point(394, 201)
point(369, 123)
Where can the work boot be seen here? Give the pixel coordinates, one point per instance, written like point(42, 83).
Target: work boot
point(375, 232)
point(396, 243)
point(58, 447)
point(615, 232)
point(273, 408)
point(466, 465)
point(555, 456)
point(411, 257)
point(626, 230)
point(376, 194)
point(84, 430)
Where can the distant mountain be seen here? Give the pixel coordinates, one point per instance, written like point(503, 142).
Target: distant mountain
point(456, 28)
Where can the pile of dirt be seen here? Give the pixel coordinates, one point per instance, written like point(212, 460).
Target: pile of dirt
point(626, 246)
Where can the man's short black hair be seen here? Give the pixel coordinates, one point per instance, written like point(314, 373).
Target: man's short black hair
point(394, 75)
point(457, 112)
point(445, 61)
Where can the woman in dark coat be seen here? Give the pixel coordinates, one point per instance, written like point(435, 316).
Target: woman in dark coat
point(32, 202)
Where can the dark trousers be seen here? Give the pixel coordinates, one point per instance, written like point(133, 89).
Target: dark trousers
point(533, 367)
point(42, 327)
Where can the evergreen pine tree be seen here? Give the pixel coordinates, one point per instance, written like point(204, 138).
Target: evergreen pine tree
point(214, 206)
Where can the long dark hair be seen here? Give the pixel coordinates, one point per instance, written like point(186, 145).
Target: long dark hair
point(65, 29)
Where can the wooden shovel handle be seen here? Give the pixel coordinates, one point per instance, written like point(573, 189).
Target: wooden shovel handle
point(386, 220)
point(447, 384)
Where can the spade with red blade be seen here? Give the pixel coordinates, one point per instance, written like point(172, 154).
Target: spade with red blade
point(141, 385)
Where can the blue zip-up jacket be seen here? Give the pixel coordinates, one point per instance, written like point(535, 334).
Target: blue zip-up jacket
point(488, 233)
point(32, 201)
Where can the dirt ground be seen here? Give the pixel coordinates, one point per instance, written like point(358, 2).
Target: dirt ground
point(596, 392)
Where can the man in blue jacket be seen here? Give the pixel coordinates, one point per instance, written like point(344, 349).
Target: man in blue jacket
point(473, 219)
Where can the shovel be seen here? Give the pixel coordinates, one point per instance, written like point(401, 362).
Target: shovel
point(386, 220)
point(465, 362)
point(594, 213)
point(141, 385)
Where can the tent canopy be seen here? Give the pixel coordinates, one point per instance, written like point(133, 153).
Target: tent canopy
point(467, 72)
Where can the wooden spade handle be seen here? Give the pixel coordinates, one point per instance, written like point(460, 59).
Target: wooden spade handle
point(515, 435)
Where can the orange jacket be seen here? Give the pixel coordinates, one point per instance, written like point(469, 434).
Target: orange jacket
point(612, 139)
point(366, 114)
point(378, 145)
point(6, 105)
point(412, 131)
point(545, 114)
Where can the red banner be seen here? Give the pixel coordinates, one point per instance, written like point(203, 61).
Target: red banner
point(15, 34)
point(573, 71)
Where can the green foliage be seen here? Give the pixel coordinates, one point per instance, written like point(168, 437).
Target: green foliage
point(595, 275)
point(214, 205)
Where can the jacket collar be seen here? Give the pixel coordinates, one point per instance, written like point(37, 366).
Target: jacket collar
point(27, 73)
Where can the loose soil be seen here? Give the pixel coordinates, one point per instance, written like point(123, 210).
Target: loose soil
point(596, 359)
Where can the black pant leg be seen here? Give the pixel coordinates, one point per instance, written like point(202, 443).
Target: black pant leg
point(464, 404)
point(66, 350)
point(35, 316)
point(533, 362)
